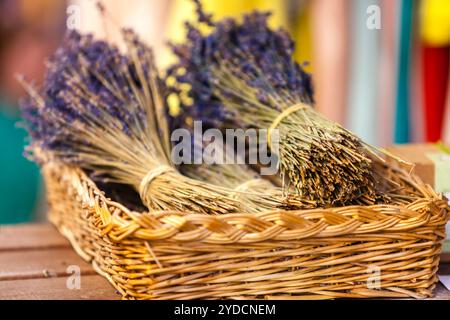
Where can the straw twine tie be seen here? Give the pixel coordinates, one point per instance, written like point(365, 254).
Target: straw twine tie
point(150, 176)
point(243, 187)
point(281, 116)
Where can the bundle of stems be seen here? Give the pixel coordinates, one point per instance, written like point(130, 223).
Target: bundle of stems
point(224, 166)
point(242, 74)
point(241, 177)
point(102, 111)
point(244, 181)
point(231, 175)
point(221, 166)
point(318, 158)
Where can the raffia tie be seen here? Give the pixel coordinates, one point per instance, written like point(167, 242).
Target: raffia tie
point(150, 176)
point(281, 116)
point(244, 187)
point(247, 184)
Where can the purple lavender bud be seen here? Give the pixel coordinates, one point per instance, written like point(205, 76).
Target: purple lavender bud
point(84, 86)
point(250, 50)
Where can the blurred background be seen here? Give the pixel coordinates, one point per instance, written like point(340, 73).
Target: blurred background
point(380, 67)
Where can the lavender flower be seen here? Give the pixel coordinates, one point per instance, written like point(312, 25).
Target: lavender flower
point(81, 85)
point(249, 48)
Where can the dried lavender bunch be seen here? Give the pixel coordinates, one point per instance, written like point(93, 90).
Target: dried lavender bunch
point(232, 175)
point(247, 183)
point(242, 74)
point(216, 169)
point(102, 110)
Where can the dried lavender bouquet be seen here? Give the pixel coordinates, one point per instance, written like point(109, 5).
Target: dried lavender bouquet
point(235, 175)
point(244, 181)
point(102, 110)
point(215, 168)
point(242, 74)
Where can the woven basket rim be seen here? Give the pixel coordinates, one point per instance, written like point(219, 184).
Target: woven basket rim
point(302, 254)
point(120, 223)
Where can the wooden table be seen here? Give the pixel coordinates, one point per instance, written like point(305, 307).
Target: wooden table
point(36, 262)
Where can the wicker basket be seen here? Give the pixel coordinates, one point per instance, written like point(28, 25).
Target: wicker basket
point(351, 252)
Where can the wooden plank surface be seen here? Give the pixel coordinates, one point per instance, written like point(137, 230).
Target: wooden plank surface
point(31, 236)
point(28, 264)
point(91, 287)
point(35, 261)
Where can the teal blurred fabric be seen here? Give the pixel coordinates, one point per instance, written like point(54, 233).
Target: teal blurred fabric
point(402, 115)
point(364, 68)
point(19, 177)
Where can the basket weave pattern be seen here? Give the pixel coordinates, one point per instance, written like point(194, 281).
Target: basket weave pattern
point(306, 254)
